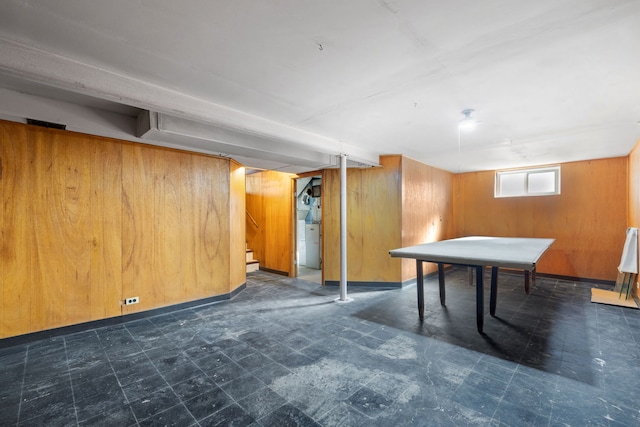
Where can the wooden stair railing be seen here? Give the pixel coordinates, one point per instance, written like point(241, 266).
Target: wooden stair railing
point(252, 219)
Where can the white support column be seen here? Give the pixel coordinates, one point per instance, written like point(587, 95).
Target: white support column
point(343, 230)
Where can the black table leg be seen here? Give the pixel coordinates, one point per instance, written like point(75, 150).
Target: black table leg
point(420, 287)
point(526, 282)
point(494, 291)
point(479, 298)
point(441, 283)
point(533, 277)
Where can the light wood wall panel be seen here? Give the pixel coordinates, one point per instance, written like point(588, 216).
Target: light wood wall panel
point(17, 232)
point(176, 226)
point(633, 215)
point(87, 221)
point(106, 223)
point(279, 216)
point(205, 206)
point(255, 216)
point(270, 203)
point(373, 223)
point(402, 203)
point(237, 260)
point(54, 198)
point(427, 209)
point(588, 219)
point(331, 224)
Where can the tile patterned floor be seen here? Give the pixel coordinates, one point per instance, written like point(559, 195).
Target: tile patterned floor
point(282, 353)
point(309, 274)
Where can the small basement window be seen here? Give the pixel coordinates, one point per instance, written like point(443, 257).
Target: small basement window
point(543, 181)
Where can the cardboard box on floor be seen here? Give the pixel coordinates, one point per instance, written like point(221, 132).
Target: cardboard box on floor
point(619, 295)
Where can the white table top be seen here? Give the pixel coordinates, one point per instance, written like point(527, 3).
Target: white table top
point(509, 252)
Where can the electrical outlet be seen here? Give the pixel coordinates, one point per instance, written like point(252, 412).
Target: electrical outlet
point(132, 300)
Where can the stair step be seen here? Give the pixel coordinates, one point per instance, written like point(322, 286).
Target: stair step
point(253, 265)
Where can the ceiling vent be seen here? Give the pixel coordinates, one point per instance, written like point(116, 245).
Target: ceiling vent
point(44, 124)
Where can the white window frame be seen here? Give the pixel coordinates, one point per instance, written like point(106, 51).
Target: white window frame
point(525, 191)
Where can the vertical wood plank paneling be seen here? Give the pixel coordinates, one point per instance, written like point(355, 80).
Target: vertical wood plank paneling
point(442, 202)
point(588, 220)
point(49, 266)
point(4, 235)
point(216, 229)
point(15, 247)
point(74, 168)
point(331, 224)
point(599, 223)
point(402, 203)
point(138, 230)
point(87, 221)
point(169, 236)
point(105, 279)
point(279, 226)
point(417, 192)
point(255, 208)
point(269, 201)
point(633, 217)
point(237, 215)
point(633, 214)
point(373, 222)
point(380, 218)
point(475, 216)
point(60, 217)
point(199, 268)
point(356, 212)
point(193, 283)
point(427, 209)
point(176, 225)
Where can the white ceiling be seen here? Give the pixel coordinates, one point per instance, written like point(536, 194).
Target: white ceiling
point(551, 81)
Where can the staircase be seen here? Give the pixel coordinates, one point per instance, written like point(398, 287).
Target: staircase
point(252, 264)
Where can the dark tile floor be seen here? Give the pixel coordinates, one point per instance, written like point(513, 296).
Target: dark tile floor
point(283, 353)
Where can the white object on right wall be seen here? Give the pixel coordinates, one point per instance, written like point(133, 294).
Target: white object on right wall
point(629, 259)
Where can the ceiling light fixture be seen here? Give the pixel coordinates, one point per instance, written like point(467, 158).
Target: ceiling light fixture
point(468, 122)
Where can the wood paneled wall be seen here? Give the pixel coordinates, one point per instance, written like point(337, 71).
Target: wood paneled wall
point(176, 229)
point(588, 219)
point(237, 212)
point(61, 220)
point(402, 203)
point(88, 221)
point(373, 222)
point(270, 204)
point(633, 216)
point(427, 209)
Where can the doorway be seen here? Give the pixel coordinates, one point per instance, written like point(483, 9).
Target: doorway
point(308, 202)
